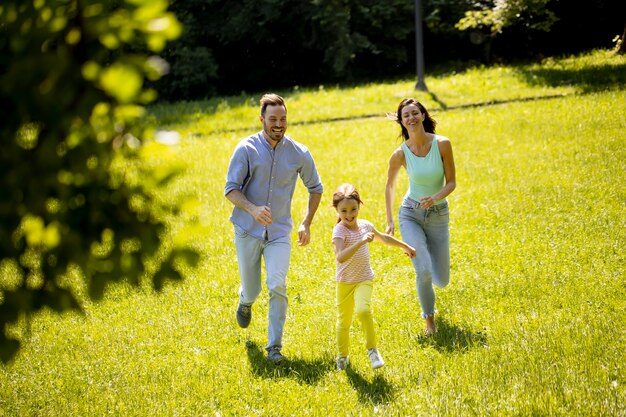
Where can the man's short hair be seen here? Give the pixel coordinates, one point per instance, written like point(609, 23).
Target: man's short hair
point(271, 100)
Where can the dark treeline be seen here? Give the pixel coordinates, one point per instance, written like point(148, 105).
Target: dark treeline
point(248, 45)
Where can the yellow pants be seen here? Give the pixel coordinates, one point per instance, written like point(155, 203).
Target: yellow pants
point(354, 298)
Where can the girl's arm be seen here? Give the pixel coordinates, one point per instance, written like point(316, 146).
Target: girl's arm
point(392, 241)
point(344, 253)
point(395, 162)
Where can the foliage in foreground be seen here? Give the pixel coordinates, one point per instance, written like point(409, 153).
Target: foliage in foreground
point(79, 207)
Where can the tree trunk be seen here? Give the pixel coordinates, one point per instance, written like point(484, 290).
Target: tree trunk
point(621, 44)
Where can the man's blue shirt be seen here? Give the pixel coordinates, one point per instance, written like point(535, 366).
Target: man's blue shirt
point(267, 177)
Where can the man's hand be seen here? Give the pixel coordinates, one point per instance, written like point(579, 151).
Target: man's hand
point(304, 235)
point(262, 214)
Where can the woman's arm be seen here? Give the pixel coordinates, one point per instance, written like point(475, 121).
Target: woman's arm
point(449, 170)
point(396, 161)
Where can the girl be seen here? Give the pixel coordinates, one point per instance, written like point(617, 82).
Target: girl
point(354, 273)
point(423, 215)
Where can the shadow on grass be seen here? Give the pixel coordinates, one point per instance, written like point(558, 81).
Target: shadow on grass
point(442, 107)
point(589, 79)
point(303, 371)
point(379, 391)
point(451, 338)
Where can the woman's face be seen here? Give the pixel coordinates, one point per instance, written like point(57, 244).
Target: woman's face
point(411, 116)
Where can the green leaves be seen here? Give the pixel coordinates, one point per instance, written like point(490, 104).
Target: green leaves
point(73, 159)
point(123, 82)
point(533, 14)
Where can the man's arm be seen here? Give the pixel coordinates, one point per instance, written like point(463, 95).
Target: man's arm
point(304, 231)
point(261, 214)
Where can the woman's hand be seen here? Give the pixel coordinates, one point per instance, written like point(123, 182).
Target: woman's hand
point(390, 228)
point(427, 202)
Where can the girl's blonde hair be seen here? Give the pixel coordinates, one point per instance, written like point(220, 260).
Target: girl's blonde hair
point(345, 192)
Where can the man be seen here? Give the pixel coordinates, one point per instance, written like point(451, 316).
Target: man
point(261, 180)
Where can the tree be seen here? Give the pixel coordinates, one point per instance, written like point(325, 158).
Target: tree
point(194, 68)
point(249, 45)
point(494, 16)
point(80, 199)
point(620, 47)
point(533, 14)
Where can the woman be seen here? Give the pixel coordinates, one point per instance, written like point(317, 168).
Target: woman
point(423, 215)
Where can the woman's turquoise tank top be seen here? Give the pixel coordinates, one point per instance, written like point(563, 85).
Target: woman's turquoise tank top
point(426, 176)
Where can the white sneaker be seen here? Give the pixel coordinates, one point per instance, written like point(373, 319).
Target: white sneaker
point(375, 358)
point(342, 363)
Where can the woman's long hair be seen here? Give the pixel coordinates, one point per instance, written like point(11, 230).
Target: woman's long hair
point(429, 123)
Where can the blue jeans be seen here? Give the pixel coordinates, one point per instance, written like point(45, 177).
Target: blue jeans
point(427, 231)
point(276, 254)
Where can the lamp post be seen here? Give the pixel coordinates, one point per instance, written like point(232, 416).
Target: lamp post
point(419, 47)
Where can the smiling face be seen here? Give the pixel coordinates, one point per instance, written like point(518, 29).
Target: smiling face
point(348, 212)
point(409, 107)
point(411, 116)
point(274, 123)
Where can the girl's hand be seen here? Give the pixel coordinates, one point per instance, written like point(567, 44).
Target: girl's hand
point(368, 237)
point(390, 228)
point(410, 251)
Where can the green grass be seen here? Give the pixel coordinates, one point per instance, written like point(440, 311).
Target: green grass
point(531, 324)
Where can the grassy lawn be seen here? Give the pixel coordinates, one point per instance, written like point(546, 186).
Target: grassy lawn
point(531, 324)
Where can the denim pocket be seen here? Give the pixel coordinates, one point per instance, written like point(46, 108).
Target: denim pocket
point(239, 232)
point(443, 211)
point(409, 204)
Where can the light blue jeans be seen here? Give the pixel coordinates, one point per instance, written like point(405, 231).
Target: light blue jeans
point(276, 255)
point(427, 231)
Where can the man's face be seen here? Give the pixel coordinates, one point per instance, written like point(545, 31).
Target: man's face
point(274, 122)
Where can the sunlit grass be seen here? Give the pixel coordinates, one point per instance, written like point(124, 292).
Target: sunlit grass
point(531, 324)
point(451, 88)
